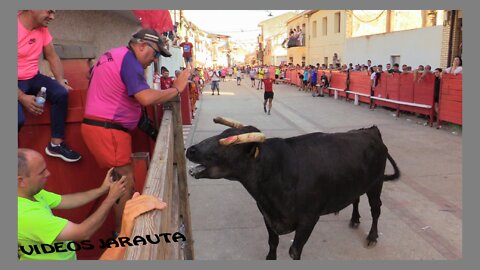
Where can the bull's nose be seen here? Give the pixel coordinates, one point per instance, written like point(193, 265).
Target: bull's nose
point(191, 151)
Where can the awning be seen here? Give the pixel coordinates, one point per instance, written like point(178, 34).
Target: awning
point(159, 20)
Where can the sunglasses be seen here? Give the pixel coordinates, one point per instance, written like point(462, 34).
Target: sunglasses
point(157, 53)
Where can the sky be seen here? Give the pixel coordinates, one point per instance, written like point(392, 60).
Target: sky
point(241, 25)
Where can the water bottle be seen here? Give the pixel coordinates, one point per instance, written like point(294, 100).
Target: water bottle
point(41, 96)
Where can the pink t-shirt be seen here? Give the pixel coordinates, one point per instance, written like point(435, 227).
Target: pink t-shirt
point(30, 46)
point(116, 78)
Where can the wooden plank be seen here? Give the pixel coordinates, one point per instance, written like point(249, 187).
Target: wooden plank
point(174, 247)
point(182, 180)
point(157, 176)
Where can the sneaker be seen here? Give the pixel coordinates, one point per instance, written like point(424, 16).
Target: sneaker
point(268, 112)
point(62, 151)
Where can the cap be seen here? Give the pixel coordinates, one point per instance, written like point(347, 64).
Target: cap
point(149, 34)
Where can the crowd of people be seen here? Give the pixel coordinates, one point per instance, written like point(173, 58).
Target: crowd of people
point(117, 90)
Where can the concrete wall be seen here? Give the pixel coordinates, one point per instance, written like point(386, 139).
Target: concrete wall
point(415, 47)
point(321, 46)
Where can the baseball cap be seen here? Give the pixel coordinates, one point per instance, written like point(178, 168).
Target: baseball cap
point(149, 34)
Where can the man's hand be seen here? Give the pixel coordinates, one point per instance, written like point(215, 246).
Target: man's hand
point(117, 189)
point(136, 206)
point(181, 81)
point(107, 182)
point(66, 86)
point(28, 102)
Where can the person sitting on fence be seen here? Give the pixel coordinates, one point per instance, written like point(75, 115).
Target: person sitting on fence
point(33, 39)
point(456, 67)
point(37, 226)
point(116, 93)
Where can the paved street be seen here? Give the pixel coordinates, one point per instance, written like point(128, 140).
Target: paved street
point(421, 215)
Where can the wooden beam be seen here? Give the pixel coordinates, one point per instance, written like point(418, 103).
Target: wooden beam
point(182, 179)
point(158, 183)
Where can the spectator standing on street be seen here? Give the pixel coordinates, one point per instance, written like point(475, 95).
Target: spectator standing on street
point(215, 75)
point(187, 52)
point(115, 96)
point(252, 74)
point(261, 76)
point(33, 39)
point(239, 77)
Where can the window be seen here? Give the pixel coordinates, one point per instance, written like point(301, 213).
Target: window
point(337, 22)
point(314, 29)
point(325, 61)
point(290, 59)
point(394, 59)
point(324, 32)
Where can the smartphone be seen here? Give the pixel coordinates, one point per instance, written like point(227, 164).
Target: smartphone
point(115, 175)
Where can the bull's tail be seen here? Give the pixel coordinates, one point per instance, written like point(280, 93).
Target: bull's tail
point(396, 173)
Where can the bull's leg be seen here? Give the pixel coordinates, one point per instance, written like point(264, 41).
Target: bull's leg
point(272, 243)
point(302, 233)
point(355, 220)
point(375, 204)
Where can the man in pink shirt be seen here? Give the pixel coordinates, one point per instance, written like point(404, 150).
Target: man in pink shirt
point(33, 39)
point(116, 93)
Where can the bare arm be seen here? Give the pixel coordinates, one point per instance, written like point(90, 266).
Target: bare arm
point(89, 226)
point(55, 64)
point(151, 96)
point(75, 200)
point(134, 207)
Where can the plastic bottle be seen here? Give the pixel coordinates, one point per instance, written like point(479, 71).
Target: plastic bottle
point(41, 96)
point(156, 81)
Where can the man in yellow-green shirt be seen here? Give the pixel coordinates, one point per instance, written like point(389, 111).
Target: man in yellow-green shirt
point(43, 236)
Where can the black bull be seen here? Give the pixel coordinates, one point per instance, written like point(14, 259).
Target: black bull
point(296, 180)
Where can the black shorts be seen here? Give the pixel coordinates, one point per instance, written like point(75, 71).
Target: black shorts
point(268, 95)
point(253, 79)
point(276, 76)
point(305, 83)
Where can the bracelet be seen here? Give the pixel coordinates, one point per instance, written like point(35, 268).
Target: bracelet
point(178, 92)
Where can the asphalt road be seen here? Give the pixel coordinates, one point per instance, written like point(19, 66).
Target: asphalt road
point(421, 215)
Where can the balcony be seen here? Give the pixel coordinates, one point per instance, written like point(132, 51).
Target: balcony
point(294, 42)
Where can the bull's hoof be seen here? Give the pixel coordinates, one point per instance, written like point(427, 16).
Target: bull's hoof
point(371, 242)
point(354, 224)
point(294, 253)
point(271, 256)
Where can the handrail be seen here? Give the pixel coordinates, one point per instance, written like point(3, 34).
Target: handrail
point(166, 179)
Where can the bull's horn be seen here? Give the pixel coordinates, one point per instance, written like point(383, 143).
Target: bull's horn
point(243, 138)
point(228, 122)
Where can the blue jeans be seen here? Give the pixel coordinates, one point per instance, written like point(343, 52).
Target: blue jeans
point(57, 95)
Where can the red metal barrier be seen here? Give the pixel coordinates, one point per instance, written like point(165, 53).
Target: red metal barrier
point(450, 103)
point(360, 83)
point(339, 80)
point(406, 87)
